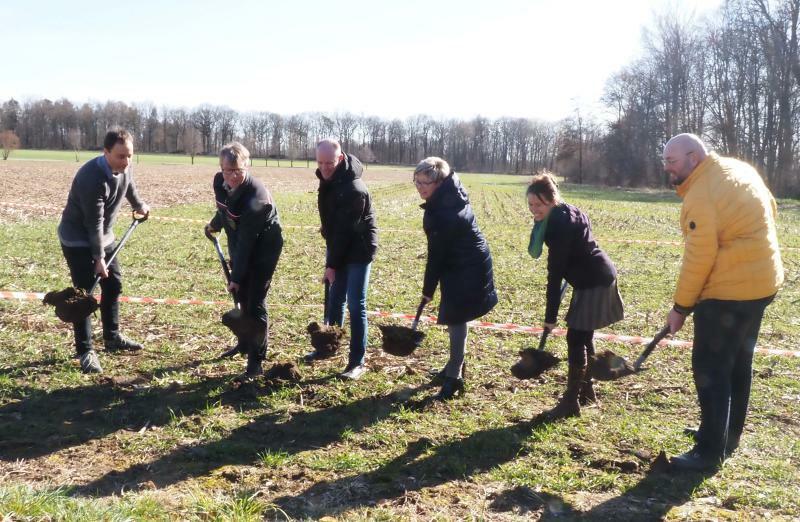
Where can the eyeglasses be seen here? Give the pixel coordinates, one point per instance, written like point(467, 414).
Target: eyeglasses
point(672, 161)
point(419, 183)
point(230, 172)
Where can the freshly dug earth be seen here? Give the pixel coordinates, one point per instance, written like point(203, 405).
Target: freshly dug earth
point(400, 340)
point(533, 363)
point(326, 339)
point(72, 304)
point(284, 372)
point(608, 366)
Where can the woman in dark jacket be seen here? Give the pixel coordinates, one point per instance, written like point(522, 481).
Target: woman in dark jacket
point(248, 214)
point(351, 240)
point(573, 255)
point(458, 258)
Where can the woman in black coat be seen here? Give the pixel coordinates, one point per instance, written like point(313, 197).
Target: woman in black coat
point(458, 259)
point(248, 214)
point(573, 255)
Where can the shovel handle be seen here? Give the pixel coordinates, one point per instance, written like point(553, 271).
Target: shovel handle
point(546, 331)
point(650, 347)
point(327, 285)
point(137, 218)
point(543, 338)
point(420, 308)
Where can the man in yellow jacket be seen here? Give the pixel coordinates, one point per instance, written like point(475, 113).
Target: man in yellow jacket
point(731, 271)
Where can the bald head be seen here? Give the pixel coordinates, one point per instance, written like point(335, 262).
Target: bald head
point(682, 154)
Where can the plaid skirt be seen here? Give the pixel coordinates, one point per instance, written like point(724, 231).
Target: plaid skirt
point(594, 308)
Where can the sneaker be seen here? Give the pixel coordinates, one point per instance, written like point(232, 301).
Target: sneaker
point(353, 373)
point(121, 343)
point(90, 363)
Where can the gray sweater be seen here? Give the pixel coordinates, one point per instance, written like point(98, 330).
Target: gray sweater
point(92, 206)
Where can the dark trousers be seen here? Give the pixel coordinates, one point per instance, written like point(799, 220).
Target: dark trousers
point(580, 346)
point(81, 270)
point(725, 334)
point(253, 299)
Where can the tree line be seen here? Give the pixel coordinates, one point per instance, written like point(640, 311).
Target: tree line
point(733, 78)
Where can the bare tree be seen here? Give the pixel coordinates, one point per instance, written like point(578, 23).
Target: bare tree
point(75, 141)
point(9, 141)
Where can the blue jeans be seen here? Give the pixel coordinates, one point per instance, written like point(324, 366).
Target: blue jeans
point(350, 287)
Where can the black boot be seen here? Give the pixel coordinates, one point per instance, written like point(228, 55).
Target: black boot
point(587, 394)
point(450, 389)
point(438, 376)
point(696, 460)
point(568, 405)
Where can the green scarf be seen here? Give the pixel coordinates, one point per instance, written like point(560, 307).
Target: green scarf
point(537, 238)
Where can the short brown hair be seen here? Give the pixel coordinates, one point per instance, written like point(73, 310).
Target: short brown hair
point(116, 136)
point(545, 186)
point(236, 154)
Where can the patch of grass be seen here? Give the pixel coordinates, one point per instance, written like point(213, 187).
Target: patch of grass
point(169, 424)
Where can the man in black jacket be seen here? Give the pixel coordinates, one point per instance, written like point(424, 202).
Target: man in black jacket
point(351, 239)
point(248, 214)
point(87, 239)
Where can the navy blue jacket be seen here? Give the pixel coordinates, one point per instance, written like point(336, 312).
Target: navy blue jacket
point(346, 215)
point(573, 255)
point(458, 255)
point(250, 219)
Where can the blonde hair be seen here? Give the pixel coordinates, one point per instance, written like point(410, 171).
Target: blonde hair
point(434, 167)
point(545, 186)
point(236, 154)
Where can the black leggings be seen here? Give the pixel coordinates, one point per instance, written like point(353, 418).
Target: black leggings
point(579, 346)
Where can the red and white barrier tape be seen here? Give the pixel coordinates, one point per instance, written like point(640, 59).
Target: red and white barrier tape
point(505, 327)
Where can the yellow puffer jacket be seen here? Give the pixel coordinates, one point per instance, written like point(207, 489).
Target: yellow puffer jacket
point(730, 243)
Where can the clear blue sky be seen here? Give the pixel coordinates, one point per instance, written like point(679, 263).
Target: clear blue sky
point(531, 58)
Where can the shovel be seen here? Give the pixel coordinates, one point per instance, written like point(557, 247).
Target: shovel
point(532, 362)
point(401, 341)
point(326, 339)
point(234, 319)
point(76, 304)
point(607, 366)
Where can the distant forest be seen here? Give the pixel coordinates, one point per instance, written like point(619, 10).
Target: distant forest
point(733, 78)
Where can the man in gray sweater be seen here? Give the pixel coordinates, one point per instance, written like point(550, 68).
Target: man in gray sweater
point(87, 239)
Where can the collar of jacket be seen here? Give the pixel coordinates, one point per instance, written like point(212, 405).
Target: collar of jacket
point(340, 174)
point(697, 173)
point(449, 194)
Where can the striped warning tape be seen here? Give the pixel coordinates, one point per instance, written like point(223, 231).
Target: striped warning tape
point(505, 327)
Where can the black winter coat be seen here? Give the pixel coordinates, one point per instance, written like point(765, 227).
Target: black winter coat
point(250, 219)
point(346, 216)
point(573, 255)
point(458, 255)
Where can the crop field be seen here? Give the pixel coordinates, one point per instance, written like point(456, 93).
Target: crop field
point(166, 435)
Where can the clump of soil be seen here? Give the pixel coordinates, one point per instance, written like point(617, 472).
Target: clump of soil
point(72, 304)
point(623, 466)
point(283, 372)
point(533, 363)
point(326, 339)
point(608, 366)
point(660, 464)
point(400, 340)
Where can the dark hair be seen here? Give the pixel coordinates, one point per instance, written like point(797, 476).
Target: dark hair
point(116, 136)
point(545, 186)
